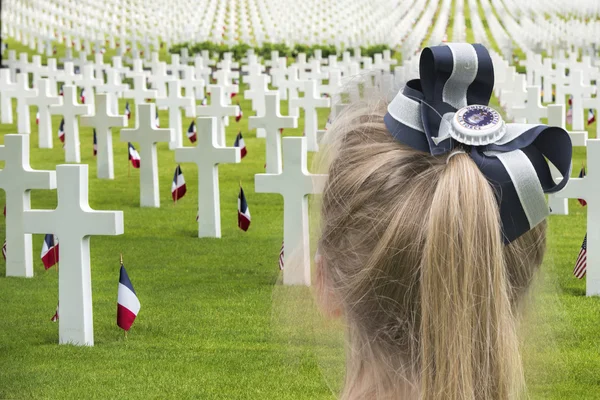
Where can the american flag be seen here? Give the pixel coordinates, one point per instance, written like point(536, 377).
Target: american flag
point(581, 263)
point(281, 257)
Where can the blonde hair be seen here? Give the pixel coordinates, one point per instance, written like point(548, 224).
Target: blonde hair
point(413, 252)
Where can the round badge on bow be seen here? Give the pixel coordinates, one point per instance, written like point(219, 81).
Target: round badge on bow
point(448, 107)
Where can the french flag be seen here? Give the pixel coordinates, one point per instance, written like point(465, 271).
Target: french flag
point(156, 122)
point(191, 132)
point(50, 251)
point(178, 188)
point(4, 249)
point(61, 130)
point(204, 101)
point(243, 212)
point(37, 118)
point(238, 113)
point(134, 156)
point(82, 96)
point(127, 111)
point(239, 142)
point(55, 316)
point(128, 304)
point(95, 143)
point(582, 175)
point(591, 117)
point(61, 92)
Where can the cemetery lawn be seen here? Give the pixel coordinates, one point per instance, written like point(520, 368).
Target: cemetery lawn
point(205, 328)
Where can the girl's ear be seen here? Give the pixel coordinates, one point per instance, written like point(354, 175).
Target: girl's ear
point(327, 300)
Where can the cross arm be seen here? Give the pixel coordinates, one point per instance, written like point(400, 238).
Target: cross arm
point(108, 223)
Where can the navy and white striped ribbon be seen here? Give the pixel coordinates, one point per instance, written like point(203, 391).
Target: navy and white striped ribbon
point(454, 76)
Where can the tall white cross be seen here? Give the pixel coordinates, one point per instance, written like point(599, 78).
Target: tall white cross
point(147, 135)
point(102, 121)
point(272, 121)
point(578, 89)
point(588, 189)
point(23, 94)
point(68, 75)
point(43, 101)
point(309, 103)
point(112, 87)
point(174, 102)
point(74, 222)
point(17, 179)
point(159, 80)
point(533, 111)
point(207, 155)
point(70, 109)
point(7, 89)
point(217, 108)
point(294, 183)
point(140, 92)
point(88, 83)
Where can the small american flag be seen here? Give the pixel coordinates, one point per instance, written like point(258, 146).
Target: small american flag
point(281, 257)
point(581, 263)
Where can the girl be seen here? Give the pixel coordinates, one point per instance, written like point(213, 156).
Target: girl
point(433, 225)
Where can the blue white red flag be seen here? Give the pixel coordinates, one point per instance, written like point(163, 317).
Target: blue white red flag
point(127, 111)
point(4, 249)
point(178, 188)
point(204, 101)
point(128, 305)
point(82, 96)
point(61, 92)
point(581, 263)
point(591, 117)
point(134, 156)
point(238, 113)
point(191, 132)
point(281, 257)
point(55, 316)
point(95, 143)
point(239, 142)
point(156, 122)
point(50, 251)
point(61, 130)
point(243, 212)
point(582, 175)
point(37, 118)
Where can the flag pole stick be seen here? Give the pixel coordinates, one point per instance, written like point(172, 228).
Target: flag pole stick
point(121, 259)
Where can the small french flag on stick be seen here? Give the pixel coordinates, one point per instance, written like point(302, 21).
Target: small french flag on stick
point(55, 316)
point(61, 130)
point(37, 118)
point(82, 96)
point(134, 156)
point(178, 188)
point(127, 111)
point(243, 212)
point(95, 143)
point(239, 142)
point(191, 132)
point(50, 251)
point(238, 113)
point(128, 305)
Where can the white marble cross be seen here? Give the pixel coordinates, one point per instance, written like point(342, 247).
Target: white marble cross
point(17, 179)
point(140, 92)
point(594, 104)
point(159, 79)
point(68, 75)
point(147, 135)
point(207, 155)
point(217, 108)
point(89, 82)
point(7, 89)
point(73, 222)
point(102, 121)
point(578, 89)
point(174, 102)
point(533, 111)
point(43, 101)
point(294, 183)
point(112, 87)
point(23, 94)
point(70, 109)
point(588, 189)
point(272, 121)
point(309, 103)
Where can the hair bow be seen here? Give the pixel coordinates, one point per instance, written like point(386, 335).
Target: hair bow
point(448, 107)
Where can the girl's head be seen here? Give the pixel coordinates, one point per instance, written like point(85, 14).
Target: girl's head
point(414, 255)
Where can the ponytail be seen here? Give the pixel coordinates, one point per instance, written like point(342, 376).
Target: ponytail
point(468, 342)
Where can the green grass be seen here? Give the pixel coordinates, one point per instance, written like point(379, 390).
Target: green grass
point(214, 324)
